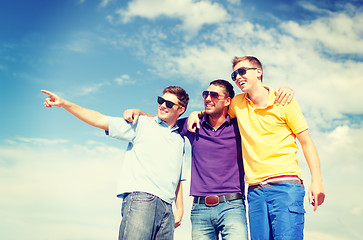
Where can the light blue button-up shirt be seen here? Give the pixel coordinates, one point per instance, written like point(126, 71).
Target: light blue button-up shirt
point(154, 158)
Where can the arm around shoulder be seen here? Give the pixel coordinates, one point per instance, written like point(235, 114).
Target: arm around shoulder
point(132, 115)
point(193, 120)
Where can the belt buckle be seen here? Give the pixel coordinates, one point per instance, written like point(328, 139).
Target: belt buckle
point(211, 200)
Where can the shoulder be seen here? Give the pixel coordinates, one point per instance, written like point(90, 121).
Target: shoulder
point(238, 101)
point(145, 119)
point(183, 126)
point(182, 122)
point(239, 96)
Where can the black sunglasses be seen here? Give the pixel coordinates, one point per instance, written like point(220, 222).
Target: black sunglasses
point(240, 71)
point(169, 104)
point(213, 95)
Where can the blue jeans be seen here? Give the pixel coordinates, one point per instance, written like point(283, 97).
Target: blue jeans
point(227, 218)
point(145, 216)
point(277, 212)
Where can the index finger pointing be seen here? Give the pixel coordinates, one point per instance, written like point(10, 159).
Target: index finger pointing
point(46, 92)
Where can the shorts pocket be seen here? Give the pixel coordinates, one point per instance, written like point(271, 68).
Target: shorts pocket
point(297, 209)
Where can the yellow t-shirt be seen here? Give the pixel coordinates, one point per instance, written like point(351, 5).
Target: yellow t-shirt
point(268, 137)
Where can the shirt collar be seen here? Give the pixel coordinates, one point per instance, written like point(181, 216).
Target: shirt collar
point(204, 120)
point(271, 96)
point(164, 124)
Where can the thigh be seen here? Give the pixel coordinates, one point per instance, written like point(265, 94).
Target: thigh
point(165, 221)
point(258, 215)
point(286, 210)
point(202, 222)
point(232, 220)
point(138, 214)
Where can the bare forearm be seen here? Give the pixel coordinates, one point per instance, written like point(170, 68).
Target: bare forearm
point(316, 190)
point(88, 116)
point(179, 197)
point(145, 114)
point(178, 214)
point(312, 157)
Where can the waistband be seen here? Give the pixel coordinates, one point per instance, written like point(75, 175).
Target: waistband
point(213, 200)
point(275, 181)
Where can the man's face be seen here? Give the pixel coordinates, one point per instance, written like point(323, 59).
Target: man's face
point(249, 80)
point(215, 106)
point(169, 115)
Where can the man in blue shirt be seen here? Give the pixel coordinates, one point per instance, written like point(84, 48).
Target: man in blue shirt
point(152, 169)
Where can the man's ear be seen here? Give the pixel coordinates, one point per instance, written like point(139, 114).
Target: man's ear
point(259, 73)
point(228, 102)
point(181, 110)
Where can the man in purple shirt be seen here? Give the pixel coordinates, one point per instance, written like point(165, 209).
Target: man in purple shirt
point(217, 175)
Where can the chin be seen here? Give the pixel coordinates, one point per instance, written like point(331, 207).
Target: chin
point(209, 112)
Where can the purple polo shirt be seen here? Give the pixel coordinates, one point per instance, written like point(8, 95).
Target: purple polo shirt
point(217, 167)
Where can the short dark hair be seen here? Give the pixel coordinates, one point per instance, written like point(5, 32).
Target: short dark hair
point(228, 88)
point(180, 93)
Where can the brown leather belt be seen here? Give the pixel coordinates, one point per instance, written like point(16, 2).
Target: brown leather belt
point(214, 200)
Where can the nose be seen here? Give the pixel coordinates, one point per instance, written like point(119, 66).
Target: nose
point(208, 97)
point(238, 76)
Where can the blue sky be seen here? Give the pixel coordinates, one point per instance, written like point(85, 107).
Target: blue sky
point(58, 176)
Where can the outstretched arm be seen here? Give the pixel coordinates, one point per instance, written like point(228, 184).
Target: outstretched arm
point(316, 191)
point(88, 116)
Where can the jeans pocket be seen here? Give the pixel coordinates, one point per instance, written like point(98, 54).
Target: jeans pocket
point(143, 197)
point(237, 202)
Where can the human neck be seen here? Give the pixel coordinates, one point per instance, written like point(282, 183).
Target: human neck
point(217, 120)
point(259, 96)
point(170, 122)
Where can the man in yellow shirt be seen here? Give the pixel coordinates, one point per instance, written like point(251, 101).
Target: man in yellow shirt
point(276, 191)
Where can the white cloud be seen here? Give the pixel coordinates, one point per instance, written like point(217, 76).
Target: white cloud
point(325, 85)
point(82, 42)
point(66, 192)
point(341, 33)
point(79, 45)
point(90, 88)
point(311, 7)
point(40, 141)
point(104, 3)
point(358, 211)
point(192, 14)
point(62, 192)
point(309, 235)
point(124, 79)
point(340, 215)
